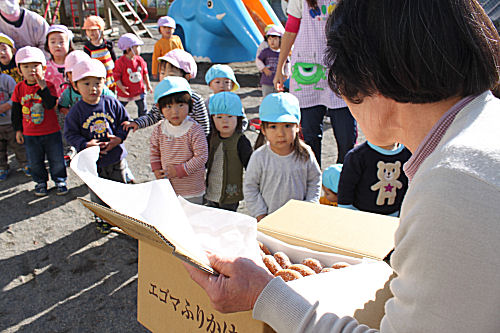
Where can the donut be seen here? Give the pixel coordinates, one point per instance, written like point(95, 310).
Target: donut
point(271, 264)
point(282, 259)
point(288, 274)
point(302, 269)
point(327, 269)
point(264, 248)
point(340, 264)
point(313, 264)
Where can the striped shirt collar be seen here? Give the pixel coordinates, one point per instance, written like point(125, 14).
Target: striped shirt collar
point(432, 139)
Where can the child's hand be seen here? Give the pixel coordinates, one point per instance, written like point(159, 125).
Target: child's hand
point(93, 143)
point(171, 171)
point(150, 89)
point(64, 111)
point(160, 174)
point(267, 71)
point(130, 125)
point(260, 217)
point(112, 143)
point(40, 80)
point(124, 89)
point(5, 107)
point(19, 137)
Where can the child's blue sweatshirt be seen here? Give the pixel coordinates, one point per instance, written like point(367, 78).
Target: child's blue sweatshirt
point(85, 122)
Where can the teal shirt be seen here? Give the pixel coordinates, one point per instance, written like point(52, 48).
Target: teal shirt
point(69, 97)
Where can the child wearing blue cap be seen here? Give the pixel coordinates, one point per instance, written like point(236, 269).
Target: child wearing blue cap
point(372, 178)
point(178, 145)
point(229, 152)
point(330, 185)
point(285, 168)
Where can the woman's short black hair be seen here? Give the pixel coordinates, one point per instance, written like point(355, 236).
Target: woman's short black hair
point(412, 51)
point(180, 97)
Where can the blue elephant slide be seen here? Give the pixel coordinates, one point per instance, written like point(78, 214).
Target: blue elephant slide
point(222, 31)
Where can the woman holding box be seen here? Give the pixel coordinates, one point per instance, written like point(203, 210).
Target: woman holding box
point(417, 72)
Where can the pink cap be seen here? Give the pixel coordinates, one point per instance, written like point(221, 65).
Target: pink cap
point(275, 30)
point(30, 54)
point(128, 40)
point(88, 67)
point(183, 60)
point(73, 58)
point(60, 28)
point(166, 21)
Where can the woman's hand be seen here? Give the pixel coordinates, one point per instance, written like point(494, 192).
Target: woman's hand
point(238, 286)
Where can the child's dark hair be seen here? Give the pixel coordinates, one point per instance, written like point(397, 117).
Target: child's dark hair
point(214, 131)
point(266, 37)
point(300, 148)
point(164, 63)
point(180, 97)
point(46, 46)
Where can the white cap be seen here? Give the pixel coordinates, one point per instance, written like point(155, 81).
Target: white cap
point(89, 67)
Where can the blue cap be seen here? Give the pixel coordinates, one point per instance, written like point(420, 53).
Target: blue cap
point(225, 102)
point(280, 108)
point(331, 177)
point(221, 71)
point(171, 85)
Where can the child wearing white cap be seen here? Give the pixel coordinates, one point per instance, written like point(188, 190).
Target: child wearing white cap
point(131, 73)
point(95, 121)
point(285, 168)
point(35, 121)
point(176, 63)
point(229, 152)
point(58, 44)
point(167, 42)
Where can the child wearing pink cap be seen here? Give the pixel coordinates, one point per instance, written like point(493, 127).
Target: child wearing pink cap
point(35, 122)
point(58, 44)
point(168, 42)
point(131, 73)
point(176, 63)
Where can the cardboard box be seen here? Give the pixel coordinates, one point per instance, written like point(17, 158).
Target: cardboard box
point(169, 301)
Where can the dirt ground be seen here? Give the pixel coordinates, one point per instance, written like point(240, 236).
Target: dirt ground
point(57, 272)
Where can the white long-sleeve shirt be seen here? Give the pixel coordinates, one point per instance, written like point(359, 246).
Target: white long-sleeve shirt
point(447, 246)
point(272, 180)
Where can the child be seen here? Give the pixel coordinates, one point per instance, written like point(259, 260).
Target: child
point(330, 185)
point(99, 48)
point(229, 152)
point(176, 63)
point(35, 121)
point(269, 58)
point(95, 121)
point(167, 42)
point(221, 78)
point(131, 73)
point(7, 134)
point(370, 175)
point(7, 62)
point(58, 44)
point(178, 144)
point(285, 168)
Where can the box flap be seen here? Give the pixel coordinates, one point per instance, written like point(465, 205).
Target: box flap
point(332, 229)
point(144, 232)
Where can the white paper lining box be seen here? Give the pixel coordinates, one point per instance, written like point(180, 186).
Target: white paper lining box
point(169, 301)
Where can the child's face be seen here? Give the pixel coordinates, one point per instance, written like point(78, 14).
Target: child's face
point(134, 50)
point(220, 84)
point(281, 136)
point(166, 32)
point(329, 194)
point(31, 70)
point(94, 35)
point(167, 69)
point(90, 88)
point(274, 42)
point(175, 113)
point(225, 124)
point(6, 54)
point(58, 44)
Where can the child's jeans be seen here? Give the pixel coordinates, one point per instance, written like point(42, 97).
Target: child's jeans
point(46, 146)
point(141, 106)
point(115, 171)
point(8, 140)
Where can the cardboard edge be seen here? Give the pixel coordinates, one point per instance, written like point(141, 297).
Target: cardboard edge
point(96, 208)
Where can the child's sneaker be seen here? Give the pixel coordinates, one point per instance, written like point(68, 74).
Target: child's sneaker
point(61, 188)
point(41, 189)
point(27, 171)
point(102, 227)
point(3, 174)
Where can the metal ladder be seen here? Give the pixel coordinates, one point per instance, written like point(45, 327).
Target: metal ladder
point(51, 11)
point(81, 9)
point(125, 12)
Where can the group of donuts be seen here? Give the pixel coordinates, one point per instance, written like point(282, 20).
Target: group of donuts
point(280, 265)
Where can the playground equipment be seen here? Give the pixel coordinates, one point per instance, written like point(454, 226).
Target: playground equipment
point(222, 31)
